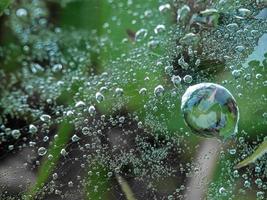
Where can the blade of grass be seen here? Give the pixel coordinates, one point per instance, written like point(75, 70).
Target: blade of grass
point(259, 152)
point(46, 168)
point(97, 182)
point(125, 188)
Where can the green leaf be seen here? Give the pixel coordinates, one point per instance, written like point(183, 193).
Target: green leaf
point(48, 165)
point(97, 182)
point(259, 152)
point(3, 5)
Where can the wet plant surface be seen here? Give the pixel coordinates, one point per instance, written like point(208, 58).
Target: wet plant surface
point(133, 99)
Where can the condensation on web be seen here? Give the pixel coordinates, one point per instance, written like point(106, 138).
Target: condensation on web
point(123, 101)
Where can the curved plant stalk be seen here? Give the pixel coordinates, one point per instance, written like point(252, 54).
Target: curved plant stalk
point(259, 152)
point(125, 188)
point(48, 165)
point(206, 160)
point(3, 5)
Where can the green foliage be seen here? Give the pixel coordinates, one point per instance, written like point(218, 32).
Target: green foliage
point(52, 61)
point(3, 5)
point(97, 182)
point(49, 164)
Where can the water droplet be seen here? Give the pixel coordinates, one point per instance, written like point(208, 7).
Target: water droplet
point(21, 12)
point(75, 138)
point(188, 79)
point(42, 151)
point(92, 110)
point(183, 13)
point(103, 89)
point(210, 110)
point(153, 44)
point(243, 12)
point(232, 151)
point(140, 34)
point(85, 130)
point(236, 73)
point(46, 138)
point(45, 118)
point(176, 80)
point(260, 195)
point(70, 184)
point(168, 69)
point(69, 113)
point(55, 176)
point(50, 157)
point(190, 39)
point(222, 191)
point(159, 28)
point(232, 27)
point(15, 133)
point(57, 67)
point(99, 97)
point(148, 13)
point(208, 17)
point(247, 184)
point(164, 7)
point(182, 63)
point(79, 104)
point(119, 92)
point(122, 119)
point(159, 90)
point(63, 152)
point(140, 125)
point(209, 12)
point(10, 147)
point(239, 48)
point(143, 91)
point(197, 63)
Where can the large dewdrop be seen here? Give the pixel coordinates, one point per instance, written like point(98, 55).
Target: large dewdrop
point(210, 110)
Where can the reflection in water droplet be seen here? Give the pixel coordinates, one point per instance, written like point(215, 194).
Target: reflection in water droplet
point(210, 110)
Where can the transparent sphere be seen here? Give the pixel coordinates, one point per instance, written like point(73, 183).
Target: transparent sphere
point(210, 110)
